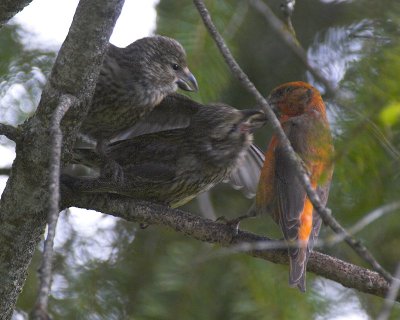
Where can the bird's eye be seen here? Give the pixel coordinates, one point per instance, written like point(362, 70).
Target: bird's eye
point(175, 66)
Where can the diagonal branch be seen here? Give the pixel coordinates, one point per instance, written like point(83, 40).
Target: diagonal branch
point(206, 230)
point(9, 8)
point(287, 8)
point(10, 132)
point(294, 45)
point(391, 295)
point(45, 271)
point(325, 213)
point(287, 36)
point(366, 220)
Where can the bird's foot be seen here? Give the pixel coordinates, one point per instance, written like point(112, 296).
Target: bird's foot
point(234, 223)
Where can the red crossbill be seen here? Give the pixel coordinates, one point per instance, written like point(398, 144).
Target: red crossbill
point(301, 112)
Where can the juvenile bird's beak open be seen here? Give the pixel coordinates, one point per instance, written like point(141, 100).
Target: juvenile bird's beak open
point(187, 81)
point(252, 119)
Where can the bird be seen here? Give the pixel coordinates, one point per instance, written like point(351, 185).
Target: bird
point(132, 81)
point(302, 114)
point(207, 143)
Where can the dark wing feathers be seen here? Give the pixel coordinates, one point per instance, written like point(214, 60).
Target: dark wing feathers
point(174, 112)
point(290, 195)
point(147, 147)
point(157, 172)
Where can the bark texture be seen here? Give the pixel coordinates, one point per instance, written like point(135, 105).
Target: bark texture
point(24, 203)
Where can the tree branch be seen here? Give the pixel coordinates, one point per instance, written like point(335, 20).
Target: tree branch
point(287, 36)
point(206, 230)
point(366, 220)
point(5, 171)
point(325, 213)
point(287, 8)
point(24, 202)
point(391, 295)
point(10, 132)
point(45, 272)
point(294, 45)
point(9, 8)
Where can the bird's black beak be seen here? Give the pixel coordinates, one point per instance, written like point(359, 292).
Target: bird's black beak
point(187, 81)
point(253, 119)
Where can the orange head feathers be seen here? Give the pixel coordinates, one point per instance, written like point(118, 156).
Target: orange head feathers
point(295, 98)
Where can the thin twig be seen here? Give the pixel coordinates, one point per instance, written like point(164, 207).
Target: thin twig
point(237, 20)
point(5, 171)
point(45, 271)
point(366, 220)
point(391, 296)
point(291, 42)
point(302, 175)
point(10, 132)
point(287, 8)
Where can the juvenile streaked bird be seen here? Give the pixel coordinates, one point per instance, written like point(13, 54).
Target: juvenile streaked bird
point(172, 166)
point(301, 112)
point(132, 81)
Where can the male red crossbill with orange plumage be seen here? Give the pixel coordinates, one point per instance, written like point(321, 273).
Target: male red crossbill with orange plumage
point(302, 114)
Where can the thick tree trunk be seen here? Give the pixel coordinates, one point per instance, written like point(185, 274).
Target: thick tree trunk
point(24, 203)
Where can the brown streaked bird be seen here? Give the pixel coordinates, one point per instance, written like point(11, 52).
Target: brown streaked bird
point(132, 81)
point(301, 112)
point(172, 166)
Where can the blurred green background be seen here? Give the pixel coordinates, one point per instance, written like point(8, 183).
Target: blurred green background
point(119, 271)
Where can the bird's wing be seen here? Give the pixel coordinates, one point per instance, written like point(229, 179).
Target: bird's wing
point(247, 175)
point(174, 112)
point(290, 202)
point(87, 157)
point(323, 193)
point(290, 195)
point(293, 206)
point(155, 172)
point(153, 147)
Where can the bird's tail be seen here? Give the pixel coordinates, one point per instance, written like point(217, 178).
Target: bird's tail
point(298, 262)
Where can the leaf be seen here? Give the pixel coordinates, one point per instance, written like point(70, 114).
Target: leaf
point(390, 115)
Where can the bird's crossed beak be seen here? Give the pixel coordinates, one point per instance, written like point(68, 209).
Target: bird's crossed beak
point(252, 119)
point(187, 81)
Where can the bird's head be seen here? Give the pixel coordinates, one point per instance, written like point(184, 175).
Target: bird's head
point(226, 122)
point(163, 64)
point(295, 98)
point(225, 131)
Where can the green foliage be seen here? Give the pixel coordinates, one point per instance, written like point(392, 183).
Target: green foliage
point(181, 20)
point(390, 114)
point(159, 274)
point(22, 76)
